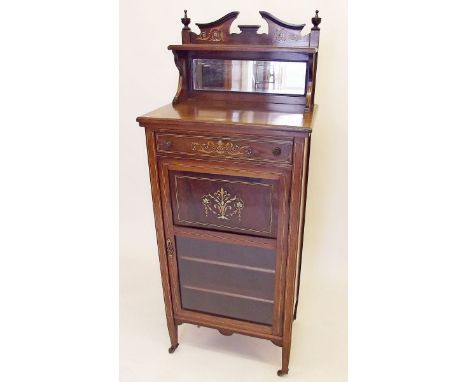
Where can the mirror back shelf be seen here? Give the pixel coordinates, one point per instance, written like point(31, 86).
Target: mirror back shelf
point(277, 67)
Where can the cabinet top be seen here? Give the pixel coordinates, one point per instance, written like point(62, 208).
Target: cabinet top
point(274, 117)
point(246, 80)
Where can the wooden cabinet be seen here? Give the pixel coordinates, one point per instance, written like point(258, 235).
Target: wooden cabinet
point(228, 172)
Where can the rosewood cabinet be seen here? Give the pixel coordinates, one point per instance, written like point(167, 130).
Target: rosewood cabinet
point(228, 163)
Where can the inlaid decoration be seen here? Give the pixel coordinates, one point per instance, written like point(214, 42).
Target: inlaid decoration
point(214, 35)
point(283, 35)
point(223, 205)
point(221, 148)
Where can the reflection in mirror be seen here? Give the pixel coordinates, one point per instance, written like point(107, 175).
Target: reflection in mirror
point(276, 77)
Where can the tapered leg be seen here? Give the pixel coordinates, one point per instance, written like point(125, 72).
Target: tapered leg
point(285, 358)
point(173, 334)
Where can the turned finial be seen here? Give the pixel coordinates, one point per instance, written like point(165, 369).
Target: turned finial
point(316, 21)
point(185, 20)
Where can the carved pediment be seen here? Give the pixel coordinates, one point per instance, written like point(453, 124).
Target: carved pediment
point(280, 33)
point(216, 31)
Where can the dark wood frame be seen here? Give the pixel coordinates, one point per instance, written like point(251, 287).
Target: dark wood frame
point(282, 42)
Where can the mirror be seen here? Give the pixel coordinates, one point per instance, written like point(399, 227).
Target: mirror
point(275, 77)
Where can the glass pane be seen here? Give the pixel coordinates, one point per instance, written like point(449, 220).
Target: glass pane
point(275, 77)
point(230, 280)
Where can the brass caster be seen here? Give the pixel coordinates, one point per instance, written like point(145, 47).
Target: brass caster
point(281, 372)
point(225, 332)
point(173, 348)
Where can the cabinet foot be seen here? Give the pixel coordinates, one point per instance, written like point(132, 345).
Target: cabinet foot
point(173, 348)
point(282, 372)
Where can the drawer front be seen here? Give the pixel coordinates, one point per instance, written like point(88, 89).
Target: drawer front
point(225, 203)
point(276, 151)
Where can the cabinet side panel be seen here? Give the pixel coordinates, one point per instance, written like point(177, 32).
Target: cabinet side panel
point(159, 223)
point(295, 204)
point(305, 176)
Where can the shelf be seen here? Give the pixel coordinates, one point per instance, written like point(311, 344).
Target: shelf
point(225, 264)
point(241, 48)
point(231, 305)
point(228, 294)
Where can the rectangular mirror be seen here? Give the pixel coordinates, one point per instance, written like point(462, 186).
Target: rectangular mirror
point(275, 77)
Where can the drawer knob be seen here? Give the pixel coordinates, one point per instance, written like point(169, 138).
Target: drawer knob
point(167, 145)
point(276, 151)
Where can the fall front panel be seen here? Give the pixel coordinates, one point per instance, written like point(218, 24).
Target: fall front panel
point(225, 203)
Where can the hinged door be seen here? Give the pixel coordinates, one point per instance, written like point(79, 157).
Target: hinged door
point(225, 229)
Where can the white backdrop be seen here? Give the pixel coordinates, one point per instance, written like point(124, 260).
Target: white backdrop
point(148, 79)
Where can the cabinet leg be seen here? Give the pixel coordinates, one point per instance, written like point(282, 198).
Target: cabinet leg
point(285, 359)
point(173, 348)
point(280, 372)
point(173, 334)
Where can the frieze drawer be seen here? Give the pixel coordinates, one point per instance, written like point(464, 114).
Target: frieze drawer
point(277, 151)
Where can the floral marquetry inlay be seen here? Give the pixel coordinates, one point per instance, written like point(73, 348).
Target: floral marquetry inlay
point(222, 204)
point(283, 35)
point(222, 148)
point(214, 35)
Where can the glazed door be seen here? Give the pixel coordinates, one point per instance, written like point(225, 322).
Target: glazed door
point(225, 230)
